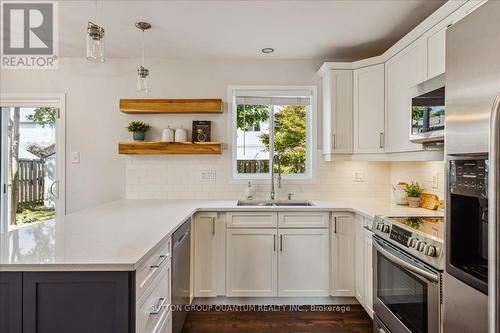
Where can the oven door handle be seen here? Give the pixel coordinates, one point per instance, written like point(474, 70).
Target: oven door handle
point(405, 264)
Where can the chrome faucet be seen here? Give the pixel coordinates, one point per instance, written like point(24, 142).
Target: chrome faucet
point(276, 157)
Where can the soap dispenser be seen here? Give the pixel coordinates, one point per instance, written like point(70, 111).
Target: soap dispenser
point(249, 191)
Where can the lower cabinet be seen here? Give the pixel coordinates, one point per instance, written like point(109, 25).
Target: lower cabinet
point(363, 263)
point(303, 262)
point(77, 302)
point(11, 303)
point(251, 262)
point(342, 233)
point(205, 254)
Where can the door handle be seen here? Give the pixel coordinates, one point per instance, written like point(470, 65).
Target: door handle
point(274, 243)
point(156, 309)
point(162, 259)
point(335, 224)
point(334, 141)
point(281, 243)
point(381, 140)
point(213, 225)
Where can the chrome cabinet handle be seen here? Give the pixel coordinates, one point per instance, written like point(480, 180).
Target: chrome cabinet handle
point(274, 243)
point(381, 140)
point(162, 259)
point(156, 309)
point(334, 141)
point(281, 243)
point(213, 225)
point(335, 224)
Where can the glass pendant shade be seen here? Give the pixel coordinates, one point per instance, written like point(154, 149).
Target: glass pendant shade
point(95, 43)
point(142, 79)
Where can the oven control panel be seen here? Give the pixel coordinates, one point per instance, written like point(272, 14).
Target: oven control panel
point(400, 235)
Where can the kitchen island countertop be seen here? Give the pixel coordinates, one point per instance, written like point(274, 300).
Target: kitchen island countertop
point(119, 235)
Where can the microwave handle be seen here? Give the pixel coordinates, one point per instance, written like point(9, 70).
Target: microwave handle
point(493, 218)
point(405, 264)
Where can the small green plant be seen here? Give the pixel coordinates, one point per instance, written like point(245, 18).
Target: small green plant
point(138, 126)
point(414, 190)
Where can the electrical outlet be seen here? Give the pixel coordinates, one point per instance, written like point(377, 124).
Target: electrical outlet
point(359, 177)
point(435, 181)
point(208, 175)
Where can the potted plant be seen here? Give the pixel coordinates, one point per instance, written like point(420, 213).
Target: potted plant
point(414, 191)
point(139, 129)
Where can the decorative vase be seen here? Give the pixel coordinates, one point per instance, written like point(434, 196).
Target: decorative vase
point(414, 202)
point(139, 136)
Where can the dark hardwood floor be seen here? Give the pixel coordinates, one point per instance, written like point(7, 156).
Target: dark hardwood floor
point(356, 320)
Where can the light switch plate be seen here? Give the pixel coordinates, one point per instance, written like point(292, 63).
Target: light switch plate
point(75, 157)
point(359, 177)
point(208, 175)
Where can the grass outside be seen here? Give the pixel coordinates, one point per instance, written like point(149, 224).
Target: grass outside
point(29, 213)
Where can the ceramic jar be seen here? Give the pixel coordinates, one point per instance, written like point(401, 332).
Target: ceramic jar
point(167, 135)
point(181, 135)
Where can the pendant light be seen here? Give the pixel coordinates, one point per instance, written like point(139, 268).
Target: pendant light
point(95, 40)
point(142, 72)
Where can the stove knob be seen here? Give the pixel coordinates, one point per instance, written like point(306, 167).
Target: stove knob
point(421, 246)
point(385, 228)
point(430, 250)
point(412, 241)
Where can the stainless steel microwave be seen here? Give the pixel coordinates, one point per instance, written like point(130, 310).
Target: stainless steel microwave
point(428, 111)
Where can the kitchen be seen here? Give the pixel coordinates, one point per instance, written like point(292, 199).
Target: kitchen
point(275, 172)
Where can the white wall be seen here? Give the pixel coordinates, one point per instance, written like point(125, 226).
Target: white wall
point(430, 175)
point(95, 125)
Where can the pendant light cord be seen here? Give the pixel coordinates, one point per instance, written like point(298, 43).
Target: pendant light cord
point(142, 47)
point(95, 12)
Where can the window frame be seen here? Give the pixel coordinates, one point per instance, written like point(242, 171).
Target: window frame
point(311, 129)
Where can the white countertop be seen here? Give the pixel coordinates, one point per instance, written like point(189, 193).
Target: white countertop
point(120, 234)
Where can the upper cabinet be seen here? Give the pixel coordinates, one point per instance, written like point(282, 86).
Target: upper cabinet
point(403, 71)
point(337, 112)
point(369, 109)
point(367, 103)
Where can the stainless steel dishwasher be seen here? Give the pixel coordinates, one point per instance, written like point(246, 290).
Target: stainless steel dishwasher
point(181, 240)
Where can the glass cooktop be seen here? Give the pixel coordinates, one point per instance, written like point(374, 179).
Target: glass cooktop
point(430, 226)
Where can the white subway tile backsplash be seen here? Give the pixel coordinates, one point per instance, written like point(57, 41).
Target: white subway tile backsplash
point(178, 177)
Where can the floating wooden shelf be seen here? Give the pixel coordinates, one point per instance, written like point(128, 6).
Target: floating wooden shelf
point(163, 148)
point(171, 105)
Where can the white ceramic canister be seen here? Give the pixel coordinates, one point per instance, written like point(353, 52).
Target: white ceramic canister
point(181, 135)
point(167, 135)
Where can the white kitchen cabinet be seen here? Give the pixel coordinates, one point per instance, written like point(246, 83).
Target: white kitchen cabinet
point(403, 71)
point(251, 262)
point(303, 262)
point(303, 219)
point(369, 109)
point(368, 273)
point(359, 259)
point(337, 112)
point(205, 254)
point(252, 219)
point(436, 52)
point(342, 233)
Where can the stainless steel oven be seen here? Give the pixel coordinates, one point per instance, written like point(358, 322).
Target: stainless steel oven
point(406, 291)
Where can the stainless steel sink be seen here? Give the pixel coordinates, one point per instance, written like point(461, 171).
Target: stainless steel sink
point(268, 203)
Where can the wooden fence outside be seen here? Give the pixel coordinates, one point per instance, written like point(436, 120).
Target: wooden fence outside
point(252, 166)
point(31, 181)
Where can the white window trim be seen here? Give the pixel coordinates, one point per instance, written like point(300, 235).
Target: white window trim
point(41, 100)
point(311, 133)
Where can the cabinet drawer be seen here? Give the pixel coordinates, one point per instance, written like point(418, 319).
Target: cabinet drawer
point(252, 220)
point(155, 305)
point(149, 269)
point(165, 325)
point(303, 219)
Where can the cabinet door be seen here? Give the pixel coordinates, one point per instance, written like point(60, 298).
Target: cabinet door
point(368, 276)
point(303, 262)
point(77, 302)
point(369, 109)
point(251, 262)
point(436, 52)
point(303, 219)
point(205, 255)
point(11, 302)
point(403, 71)
point(359, 263)
point(342, 255)
point(337, 112)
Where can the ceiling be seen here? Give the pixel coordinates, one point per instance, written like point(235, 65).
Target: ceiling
point(322, 30)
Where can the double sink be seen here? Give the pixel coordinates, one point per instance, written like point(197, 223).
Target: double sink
point(274, 203)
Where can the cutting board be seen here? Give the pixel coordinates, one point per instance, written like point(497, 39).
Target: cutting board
point(429, 201)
